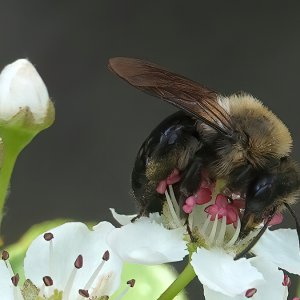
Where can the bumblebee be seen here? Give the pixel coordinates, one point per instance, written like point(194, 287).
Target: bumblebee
point(236, 139)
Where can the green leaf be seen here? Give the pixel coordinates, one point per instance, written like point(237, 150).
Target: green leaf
point(151, 282)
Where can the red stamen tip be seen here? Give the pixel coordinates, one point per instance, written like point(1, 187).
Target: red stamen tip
point(131, 282)
point(250, 293)
point(48, 236)
point(48, 281)
point(84, 293)
point(106, 255)
point(78, 262)
point(5, 255)
point(15, 279)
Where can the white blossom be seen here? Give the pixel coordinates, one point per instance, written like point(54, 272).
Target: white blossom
point(71, 259)
point(99, 273)
point(215, 226)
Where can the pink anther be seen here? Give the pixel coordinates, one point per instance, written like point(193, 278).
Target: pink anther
point(203, 195)
point(189, 205)
point(223, 208)
point(277, 219)
point(174, 177)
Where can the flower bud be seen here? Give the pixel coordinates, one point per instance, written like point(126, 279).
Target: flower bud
point(24, 99)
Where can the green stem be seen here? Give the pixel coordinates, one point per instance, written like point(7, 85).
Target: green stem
point(184, 278)
point(5, 175)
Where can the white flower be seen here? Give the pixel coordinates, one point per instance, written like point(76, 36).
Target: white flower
point(226, 278)
point(271, 287)
point(71, 259)
point(216, 224)
point(215, 227)
point(80, 262)
point(98, 273)
point(21, 88)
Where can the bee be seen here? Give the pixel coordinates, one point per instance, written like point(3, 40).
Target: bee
point(235, 138)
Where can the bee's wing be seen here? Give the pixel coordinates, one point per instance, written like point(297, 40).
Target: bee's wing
point(176, 89)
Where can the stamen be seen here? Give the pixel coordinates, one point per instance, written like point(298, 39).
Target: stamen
point(130, 284)
point(213, 231)
point(101, 284)
point(236, 234)
point(172, 210)
point(250, 293)
point(48, 236)
point(221, 235)
point(15, 279)
point(5, 255)
point(77, 265)
point(84, 293)
point(48, 282)
point(190, 219)
point(105, 258)
point(205, 225)
point(17, 293)
point(174, 201)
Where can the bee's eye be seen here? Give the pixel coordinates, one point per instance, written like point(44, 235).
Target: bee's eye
point(263, 184)
point(259, 194)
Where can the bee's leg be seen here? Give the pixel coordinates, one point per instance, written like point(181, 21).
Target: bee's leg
point(191, 180)
point(192, 177)
point(256, 238)
point(188, 228)
point(296, 220)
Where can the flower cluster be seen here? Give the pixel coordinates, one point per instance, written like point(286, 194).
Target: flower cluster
point(76, 262)
point(214, 222)
point(73, 262)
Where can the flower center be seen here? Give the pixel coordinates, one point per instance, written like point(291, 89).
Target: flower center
point(96, 279)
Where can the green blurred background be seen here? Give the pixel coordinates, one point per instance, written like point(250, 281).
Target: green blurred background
point(81, 166)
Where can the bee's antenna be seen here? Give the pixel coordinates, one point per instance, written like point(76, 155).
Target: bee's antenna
point(295, 219)
point(256, 238)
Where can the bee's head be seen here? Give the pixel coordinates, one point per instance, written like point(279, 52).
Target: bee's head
point(261, 134)
point(269, 191)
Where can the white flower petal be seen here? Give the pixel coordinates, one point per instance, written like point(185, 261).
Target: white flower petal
point(21, 86)
point(148, 242)
point(218, 271)
point(280, 246)
point(272, 288)
point(122, 219)
point(213, 295)
point(7, 290)
point(71, 240)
